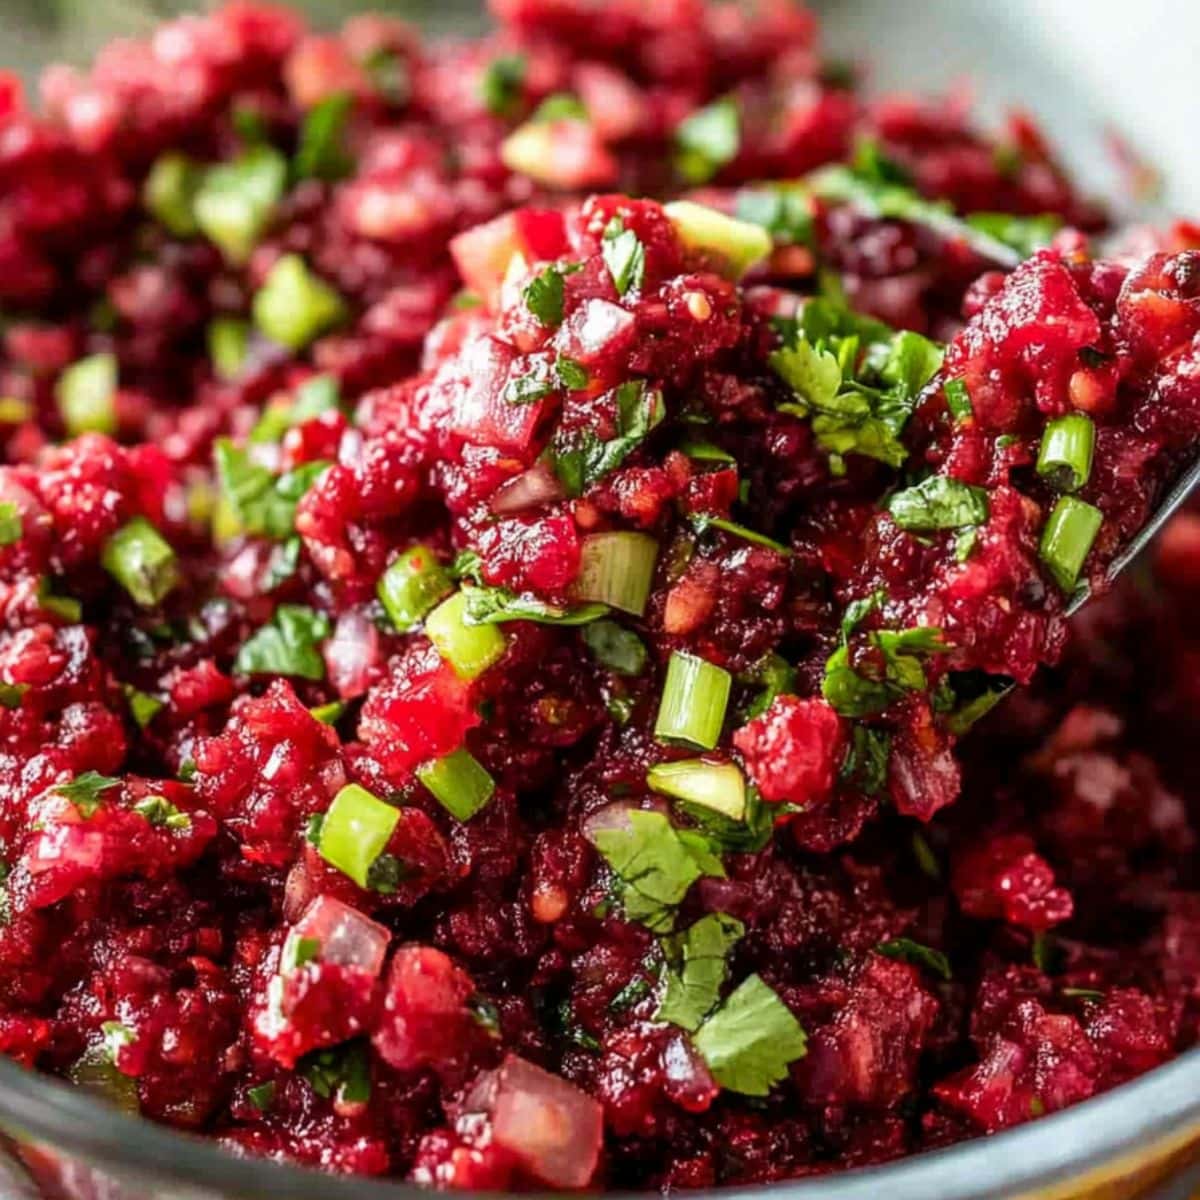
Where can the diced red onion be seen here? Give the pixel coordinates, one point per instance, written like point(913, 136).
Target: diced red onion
point(537, 486)
point(347, 937)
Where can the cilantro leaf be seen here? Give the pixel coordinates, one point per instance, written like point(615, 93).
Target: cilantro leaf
point(142, 706)
point(501, 84)
point(583, 459)
point(313, 397)
point(85, 791)
point(497, 605)
point(865, 766)
point(784, 210)
point(160, 812)
point(321, 153)
point(624, 256)
point(703, 521)
point(656, 864)
point(544, 297)
point(342, 1073)
point(814, 375)
point(707, 140)
point(698, 968)
point(859, 398)
point(263, 504)
point(855, 695)
point(747, 836)
point(776, 676)
point(288, 646)
point(1026, 235)
point(751, 1039)
point(958, 399)
point(528, 388)
point(906, 950)
point(571, 374)
point(939, 502)
point(615, 647)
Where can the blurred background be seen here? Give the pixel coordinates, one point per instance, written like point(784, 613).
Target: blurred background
point(1087, 67)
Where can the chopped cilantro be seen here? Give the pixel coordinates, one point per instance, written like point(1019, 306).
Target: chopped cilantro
point(321, 153)
point(12, 693)
point(958, 399)
point(965, 543)
point(700, 451)
point(704, 521)
point(858, 396)
point(142, 706)
point(1026, 235)
point(906, 950)
point(263, 504)
point(313, 397)
point(707, 140)
point(389, 74)
point(775, 675)
point(624, 256)
point(342, 1073)
point(856, 695)
point(160, 812)
point(84, 791)
point(697, 969)
point(262, 1095)
point(297, 951)
point(939, 502)
point(784, 210)
point(385, 875)
point(544, 297)
point(656, 864)
point(288, 646)
point(584, 459)
point(328, 714)
point(528, 388)
point(497, 605)
point(313, 827)
point(865, 766)
point(751, 1039)
point(746, 836)
point(571, 374)
point(501, 83)
point(975, 694)
point(615, 647)
point(485, 1014)
point(637, 989)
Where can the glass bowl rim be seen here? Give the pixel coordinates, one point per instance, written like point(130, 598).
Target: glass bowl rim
point(1153, 1112)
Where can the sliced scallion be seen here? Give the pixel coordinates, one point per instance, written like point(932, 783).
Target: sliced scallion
point(355, 831)
point(141, 560)
point(86, 395)
point(169, 193)
point(1068, 445)
point(694, 699)
point(719, 786)
point(459, 783)
point(411, 586)
point(228, 340)
point(617, 569)
point(294, 306)
point(469, 649)
point(1067, 539)
point(235, 200)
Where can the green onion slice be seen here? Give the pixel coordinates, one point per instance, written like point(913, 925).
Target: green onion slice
point(469, 649)
point(355, 831)
point(694, 699)
point(141, 560)
point(459, 783)
point(1067, 538)
point(411, 586)
point(719, 786)
point(617, 569)
point(86, 395)
point(294, 306)
point(1068, 445)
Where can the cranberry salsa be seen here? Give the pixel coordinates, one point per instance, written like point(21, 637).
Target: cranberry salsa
point(502, 543)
